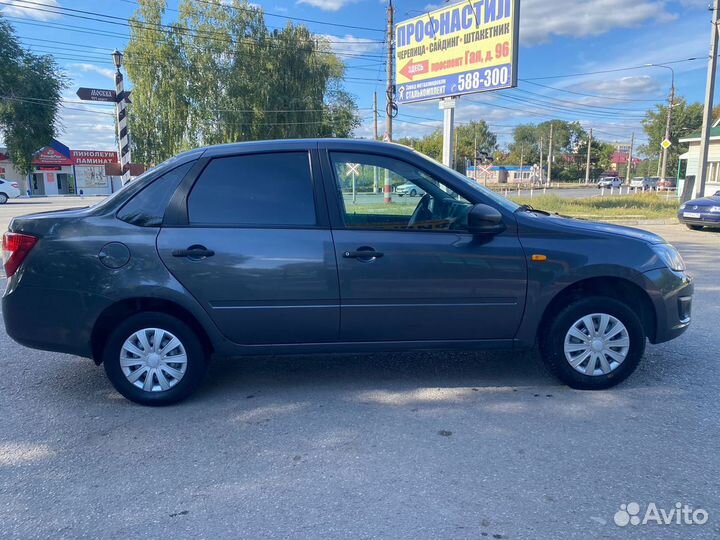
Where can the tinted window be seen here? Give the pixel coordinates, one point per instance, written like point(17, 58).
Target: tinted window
point(147, 208)
point(418, 201)
point(258, 189)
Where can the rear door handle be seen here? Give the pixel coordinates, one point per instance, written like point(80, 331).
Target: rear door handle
point(366, 254)
point(194, 252)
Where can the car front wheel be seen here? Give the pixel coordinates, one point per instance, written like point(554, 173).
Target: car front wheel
point(154, 359)
point(593, 343)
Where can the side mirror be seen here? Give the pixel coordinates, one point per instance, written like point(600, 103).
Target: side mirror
point(484, 219)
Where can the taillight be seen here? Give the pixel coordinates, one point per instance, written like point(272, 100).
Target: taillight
point(14, 184)
point(16, 246)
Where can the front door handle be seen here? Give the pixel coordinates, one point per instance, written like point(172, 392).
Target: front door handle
point(367, 254)
point(194, 252)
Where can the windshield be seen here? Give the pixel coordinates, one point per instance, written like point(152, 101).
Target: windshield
point(507, 204)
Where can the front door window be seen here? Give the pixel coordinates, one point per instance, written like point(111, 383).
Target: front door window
point(419, 201)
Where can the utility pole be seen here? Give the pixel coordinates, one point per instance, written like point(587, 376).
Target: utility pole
point(630, 159)
point(550, 155)
point(587, 166)
point(375, 133)
point(447, 105)
point(390, 94)
point(709, 91)
point(542, 143)
point(522, 158)
point(390, 71)
point(375, 116)
point(667, 129)
point(121, 111)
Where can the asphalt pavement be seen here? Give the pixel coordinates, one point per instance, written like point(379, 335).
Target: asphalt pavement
point(416, 446)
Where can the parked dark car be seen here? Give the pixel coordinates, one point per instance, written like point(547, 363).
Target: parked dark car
point(700, 213)
point(253, 249)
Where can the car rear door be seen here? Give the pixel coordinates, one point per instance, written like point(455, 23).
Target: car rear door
point(248, 237)
point(409, 275)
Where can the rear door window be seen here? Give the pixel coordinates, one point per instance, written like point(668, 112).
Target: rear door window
point(274, 189)
point(147, 208)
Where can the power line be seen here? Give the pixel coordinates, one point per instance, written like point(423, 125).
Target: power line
point(590, 95)
point(269, 14)
point(615, 70)
point(120, 21)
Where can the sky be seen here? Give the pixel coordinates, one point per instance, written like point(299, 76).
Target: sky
point(562, 43)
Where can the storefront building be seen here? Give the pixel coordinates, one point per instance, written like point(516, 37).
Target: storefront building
point(57, 170)
point(690, 161)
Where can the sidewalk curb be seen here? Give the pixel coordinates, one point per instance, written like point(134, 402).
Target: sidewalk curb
point(672, 221)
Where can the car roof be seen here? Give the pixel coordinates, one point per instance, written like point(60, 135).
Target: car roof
point(298, 144)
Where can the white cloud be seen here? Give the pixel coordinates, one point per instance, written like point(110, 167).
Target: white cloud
point(541, 20)
point(327, 5)
point(92, 68)
point(349, 45)
point(622, 87)
point(32, 11)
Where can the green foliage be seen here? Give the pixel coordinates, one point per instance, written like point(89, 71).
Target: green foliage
point(222, 76)
point(30, 92)
point(468, 137)
point(686, 118)
point(640, 206)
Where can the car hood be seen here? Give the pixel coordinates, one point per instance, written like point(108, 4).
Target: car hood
point(568, 225)
point(705, 201)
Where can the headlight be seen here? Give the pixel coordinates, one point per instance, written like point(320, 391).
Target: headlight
point(670, 256)
point(715, 209)
point(682, 206)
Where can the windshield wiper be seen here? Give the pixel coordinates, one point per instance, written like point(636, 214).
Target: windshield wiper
point(528, 208)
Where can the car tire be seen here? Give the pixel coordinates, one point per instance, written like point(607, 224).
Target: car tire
point(124, 339)
point(694, 227)
point(3, 198)
point(413, 193)
point(557, 338)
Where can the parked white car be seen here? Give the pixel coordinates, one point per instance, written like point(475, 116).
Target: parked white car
point(610, 182)
point(8, 190)
point(645, 182)
point(409, 189)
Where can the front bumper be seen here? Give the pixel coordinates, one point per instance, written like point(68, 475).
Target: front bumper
point(672, 296)
point(706, 219)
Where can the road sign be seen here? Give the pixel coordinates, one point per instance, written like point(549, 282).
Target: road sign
point(352, 169)
point(666, 144)
point(100, 94)
point(463, 48)
point(96, 94)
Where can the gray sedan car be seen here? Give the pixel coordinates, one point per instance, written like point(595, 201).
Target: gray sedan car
point(252, 248)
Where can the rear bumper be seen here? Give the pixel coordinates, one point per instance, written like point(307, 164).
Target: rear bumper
point(48, 319)
point(673, 303)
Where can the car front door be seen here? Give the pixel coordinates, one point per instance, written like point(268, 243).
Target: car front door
point(248, 238)
point(409, 269)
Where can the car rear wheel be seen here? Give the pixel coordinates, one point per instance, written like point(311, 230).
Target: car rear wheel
point(154, 359)
point(593, 343)
point(3, 198)
point(695, 227)
point(413, 193)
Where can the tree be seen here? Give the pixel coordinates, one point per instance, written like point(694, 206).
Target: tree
point(30, 92)
point(475, 135)
point(219, 75)
point(567, 138)
point(686, 118)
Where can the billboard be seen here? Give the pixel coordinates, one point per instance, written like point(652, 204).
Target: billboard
point(463, 48)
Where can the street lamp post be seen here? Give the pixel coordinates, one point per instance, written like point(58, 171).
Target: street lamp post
point(121, 111)
point(671, 103)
